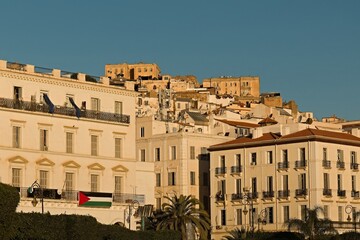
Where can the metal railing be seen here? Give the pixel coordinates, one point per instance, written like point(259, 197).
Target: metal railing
point(283, 165)
point(340, 165)
point(16, 66)
point(237, 196)
point(341, 193)
point(354, 166)
point(220, 170)
point(60, 110)
point(326, 163)
point(70, 195)
point(355, 194)
point(124, 197)
point(268, 194)
point(47, 193)
point(283, 193)
point(236, 169)
point(300, 164)
point(42, 70)
point(301, 192)
point(327, 192)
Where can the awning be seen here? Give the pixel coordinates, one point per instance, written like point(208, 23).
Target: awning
point(77, 109)
point(49, 103)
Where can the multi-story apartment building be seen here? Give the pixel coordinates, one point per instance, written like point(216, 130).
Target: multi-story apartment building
point(261, 182)
point(145, 71)
point(70, 135)
point(180, 157)
point(245, 86)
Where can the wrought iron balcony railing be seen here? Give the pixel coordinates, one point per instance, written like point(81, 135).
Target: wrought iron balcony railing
point(283, 165)
point(268, 194)
point(340, 165)
point(124, 197)
point(220, 170)
point(300, 164)
point(61, 110)
point(354, 166)
point(326, 163)
point(341, 193)
point(237, 196)
point(327, 192)
point(284, 193)
point(301, 192)
point(236, 169)
point(355, 194)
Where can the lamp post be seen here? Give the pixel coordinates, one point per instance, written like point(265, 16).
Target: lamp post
point(262, 218)
point(248, 200)
point(34, 201)
point(349, 209)
point(133, 204)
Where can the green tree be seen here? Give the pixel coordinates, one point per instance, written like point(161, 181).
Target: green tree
point(184, 214)
point(236, 234)
point(312, 227)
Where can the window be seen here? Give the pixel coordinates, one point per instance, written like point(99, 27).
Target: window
point(326, 181)
point(118, 147)
point(157, 154)
point(192, 178)
point(42, 93)
point(205, 179)
point(16, 177)
point(94, 183)
point(353, 157)
point(44, 139)
point(269, 215)
point(69, 181)
point(340, 155)
point(238, 186)
point(253, 158)
point(270, 183)
point(254, 185)
point(223, 217)
point(239, 216)
point(118, 184)
point(303, 212)
point(222, 161)
point(222, 187)
point(142, 155)
point(173, 152)
point(302, 154)
point(178, 105)
point(142, 132)
point(17, 93)
point(94, 145)
point(285, 155)
point(286, 212)
point(69, 142)
point(269, 155)
point(95, 104)
point(340, 213)
point(324, 153)
point(171, 179)
point(192, 152)
point(238, 160)
point(16, 137)
point(67, 101)
point(158, 179)
point(302, 181)
point(339, 182)
point(353, 183)
point(44, 179)
point(326, 211)
point(118, 107)
point(285, 182)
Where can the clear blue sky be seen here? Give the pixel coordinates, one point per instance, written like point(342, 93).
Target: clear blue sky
point(307, 50)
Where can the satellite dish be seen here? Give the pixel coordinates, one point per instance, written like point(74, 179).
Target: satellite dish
point(309, 121)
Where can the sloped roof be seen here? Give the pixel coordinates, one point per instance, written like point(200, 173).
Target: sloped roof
point(308, 134)
point(267, 121)
point(197, 117)
point(238, 123)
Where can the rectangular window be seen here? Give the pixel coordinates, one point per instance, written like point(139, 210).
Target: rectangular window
point(326, 211)
point(16, 177)
point(222, 187)
point(42, 93)
point(302, 154)
point(173, 152)
point(238, 189)
point(270, 215)
point(44, 179)
point(117, 147)
point(16, 137)
point(17, 93)
point(238, 160)
point(254, 185)
point(118, 107)
point(142, 155)
point(324, 153)
point(94, 145)
point(270, 183)
point(340, 213)
point(340, 155)
point(253, 158)
point(353, 157)
point(94, 182)
point(142, 132)
point(118, 184)
point(69, 142)
point(158, 179)
point(69, 181)
point(205, 179)
point(353, 183)
point(67, 100)
point(339, 182)
point(222, 161)
point(269, 155)
point(192, 178)
point(223, 217)
point(285, 182)
point(157, 154)
point(303, 212)
point(239, 216)
point(285, 155)
point(95, 104)
point(192, 152)
point(44, 139)
point(302, 181)
point(171, 179)
point(326, 181)
point(286, 211)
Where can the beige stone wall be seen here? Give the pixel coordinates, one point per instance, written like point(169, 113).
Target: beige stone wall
point(133, 71)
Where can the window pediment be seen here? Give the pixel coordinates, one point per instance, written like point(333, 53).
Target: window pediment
point(18, 159)
point(45, 162)
point(120, 168)
point(71, 164)
point(96, 166)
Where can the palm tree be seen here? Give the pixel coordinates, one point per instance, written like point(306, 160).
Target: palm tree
point(236, 234)
point(184, 214)
point(312, 227)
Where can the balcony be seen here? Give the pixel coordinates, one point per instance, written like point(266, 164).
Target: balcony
point(340, 165)
point(326, 163)
point(300, 164)
point(237, 197)
point(268, 194)
point(327, 192)
point(64, 111)
point(355, 194)
point(341, 193)
point(283, 165)
point(284, 193)
point(354, 166)
point(253, 195)
point(219, 198)
point(220, 171)
point(301, 192)
point(124, 197)
point(236, 169)
point(47, 193)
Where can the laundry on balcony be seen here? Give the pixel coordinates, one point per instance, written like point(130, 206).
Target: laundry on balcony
point(49, 103)
point(77, 109)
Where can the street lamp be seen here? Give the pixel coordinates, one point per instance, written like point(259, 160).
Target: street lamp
point(34, 202)
point(133, 204)
point(349, 209)
point(248, 200)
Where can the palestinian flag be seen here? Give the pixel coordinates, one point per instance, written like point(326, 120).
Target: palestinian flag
point(95, 199)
